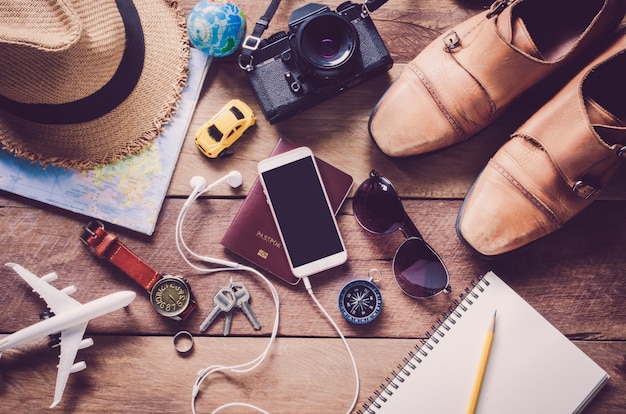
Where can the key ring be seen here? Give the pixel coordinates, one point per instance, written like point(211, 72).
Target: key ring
point(183, 342)
point(375, 272)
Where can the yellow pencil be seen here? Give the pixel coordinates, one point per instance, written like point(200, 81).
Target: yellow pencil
point(482, 366)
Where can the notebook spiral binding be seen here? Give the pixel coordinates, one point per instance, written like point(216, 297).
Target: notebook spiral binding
point(417, 355)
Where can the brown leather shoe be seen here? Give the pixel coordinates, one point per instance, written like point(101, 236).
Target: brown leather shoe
point(462, 81)
point(555, 165)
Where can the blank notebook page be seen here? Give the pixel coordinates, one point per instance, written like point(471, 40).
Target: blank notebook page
point(532, 367)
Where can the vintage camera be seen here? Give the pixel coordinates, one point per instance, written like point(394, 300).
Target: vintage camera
point(323, 53)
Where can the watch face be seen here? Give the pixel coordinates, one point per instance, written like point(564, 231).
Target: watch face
point(360, 301)
point(170, 296)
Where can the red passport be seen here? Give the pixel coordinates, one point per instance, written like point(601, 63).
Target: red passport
point(253, 234)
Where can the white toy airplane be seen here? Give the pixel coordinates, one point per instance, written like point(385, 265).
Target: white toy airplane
point(70, 320)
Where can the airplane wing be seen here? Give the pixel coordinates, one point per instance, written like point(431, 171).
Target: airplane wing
point(57, 301)
point(70, 341)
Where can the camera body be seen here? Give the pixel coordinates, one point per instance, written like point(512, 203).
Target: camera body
point(323, 53)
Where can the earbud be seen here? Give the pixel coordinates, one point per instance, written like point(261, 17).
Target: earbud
point(197, 183)
point(234, 179)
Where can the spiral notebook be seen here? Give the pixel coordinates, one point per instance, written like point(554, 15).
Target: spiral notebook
point(532, 367)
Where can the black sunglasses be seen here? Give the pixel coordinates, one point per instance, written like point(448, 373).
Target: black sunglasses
point(418, 270)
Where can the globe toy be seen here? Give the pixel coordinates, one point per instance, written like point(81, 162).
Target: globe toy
point(216, 27)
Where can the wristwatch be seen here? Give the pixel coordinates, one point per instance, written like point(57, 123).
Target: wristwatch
point(170, 295)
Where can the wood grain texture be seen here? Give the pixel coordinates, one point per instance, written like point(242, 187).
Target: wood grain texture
point(574, 277)
point(573, 271)
point(309, 375)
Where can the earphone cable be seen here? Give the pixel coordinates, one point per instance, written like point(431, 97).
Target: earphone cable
point(203, 374)
point(245, 367)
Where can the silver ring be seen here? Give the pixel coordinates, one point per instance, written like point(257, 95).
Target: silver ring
point(183, 342)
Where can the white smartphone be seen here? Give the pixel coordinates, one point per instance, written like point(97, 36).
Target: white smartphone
point(303, 215)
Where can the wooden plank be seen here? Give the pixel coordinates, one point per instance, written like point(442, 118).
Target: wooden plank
point(572, 276)
point(142, 374)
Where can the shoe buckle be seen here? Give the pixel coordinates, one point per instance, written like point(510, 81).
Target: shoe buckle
point(622, 152)
point(497, 7)
point(583, 190)
point(452, 41)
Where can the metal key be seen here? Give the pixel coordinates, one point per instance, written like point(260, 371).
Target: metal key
point(242, 297)
point(228, 320)
point(224, 301)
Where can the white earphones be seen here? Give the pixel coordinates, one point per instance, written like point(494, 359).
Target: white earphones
point(233, 178)
point(199, 186)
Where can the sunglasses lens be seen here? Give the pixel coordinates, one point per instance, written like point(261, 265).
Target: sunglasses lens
point(420, 273)
point(377, 206)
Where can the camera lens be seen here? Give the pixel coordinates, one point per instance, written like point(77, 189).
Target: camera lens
point(327, 49)
point(327, 43)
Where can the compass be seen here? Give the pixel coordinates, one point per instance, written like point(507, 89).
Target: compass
point(360, 301)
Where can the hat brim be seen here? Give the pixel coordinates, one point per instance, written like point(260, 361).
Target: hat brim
point(133, 124)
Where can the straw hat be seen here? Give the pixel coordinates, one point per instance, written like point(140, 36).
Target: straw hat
point(87, 82)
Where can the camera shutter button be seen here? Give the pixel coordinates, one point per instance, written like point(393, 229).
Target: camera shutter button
point(294, 85)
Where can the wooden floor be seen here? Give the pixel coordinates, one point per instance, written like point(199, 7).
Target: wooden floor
point(574, 277)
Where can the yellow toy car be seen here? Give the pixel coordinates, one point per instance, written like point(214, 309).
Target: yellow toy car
point(224, 129)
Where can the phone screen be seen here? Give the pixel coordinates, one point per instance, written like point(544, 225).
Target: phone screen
point(302, 211)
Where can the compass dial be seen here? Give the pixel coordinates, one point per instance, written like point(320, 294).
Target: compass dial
point(360, 301)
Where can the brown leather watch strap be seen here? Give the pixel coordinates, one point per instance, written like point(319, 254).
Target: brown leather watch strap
point(108, 246)
point(192, 306)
